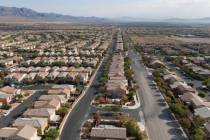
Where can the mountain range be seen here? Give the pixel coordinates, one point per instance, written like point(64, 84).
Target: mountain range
point(25, 14)
point(13, 14)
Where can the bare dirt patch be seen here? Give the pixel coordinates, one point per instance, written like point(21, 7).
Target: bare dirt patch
point(192, 40)
point(154, 40)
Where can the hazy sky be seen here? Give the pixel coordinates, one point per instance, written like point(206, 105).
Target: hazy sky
point(118, 8)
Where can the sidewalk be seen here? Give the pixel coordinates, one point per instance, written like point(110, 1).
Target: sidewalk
point(137, 104)
point(78, 99)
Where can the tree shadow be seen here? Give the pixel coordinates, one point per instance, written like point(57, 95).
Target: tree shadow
point(166, 115)
point(162, 104)
point(175, 129)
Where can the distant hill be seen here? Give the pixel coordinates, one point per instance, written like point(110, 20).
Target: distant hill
point(25, 14)
point(192, 20)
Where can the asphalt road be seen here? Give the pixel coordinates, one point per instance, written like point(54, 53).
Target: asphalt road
point(157, 116)
point(19, 110)
point(81, 111)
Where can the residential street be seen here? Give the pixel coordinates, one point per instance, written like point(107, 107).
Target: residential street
point(81, 111)
point(156, 115)
point(159, 121)
point(5, 121)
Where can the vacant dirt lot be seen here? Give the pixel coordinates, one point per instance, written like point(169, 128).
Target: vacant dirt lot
point(154, 40)
point(193, 40)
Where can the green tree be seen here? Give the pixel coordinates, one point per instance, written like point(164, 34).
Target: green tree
point(198, 121)
point(207, 82)
point(202, 94)
point(52, 134)
point(199, 134)
point(131, 94)
point(47, 138)
point(62, 111)
point(178, 108)
point(5, 107)
point(132, 127)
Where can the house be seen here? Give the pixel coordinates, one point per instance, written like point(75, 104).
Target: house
point(10, 90)
point(197, 102)
point(80, 70)
point(52, 75)
point(157, 64)
point(204, 112)
point(116, 90)
point(30, 76)
point(41, 113)
point(6, 63)
point(42, 75)
point(171, 78)
point(60, 98)
point(192, 99)
point(26, 132)
point(116, 74)
point(116, 86)
point(53, 104)
point(83, 77)
point(63, 69)
point(39, 123)
point(62, 75)
point(44, 69)
point(5, 98)
point(181, 87)
point(15, 77)
point(72, 75)
point(187, 97)
point(72, 88)
point(8, 133)
point(108, 133)
point(59, 91)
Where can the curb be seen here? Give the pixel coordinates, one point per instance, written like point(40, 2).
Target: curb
point(61, 127)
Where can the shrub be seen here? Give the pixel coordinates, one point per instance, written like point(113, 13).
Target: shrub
point(168, 99)
point(5, 107)
point(198, 121)
point(88, 124)
point(199, 134)
point(185, 122)
point(202, 94)
point(178, 108)
point(132, 128)
point(67, 105)
point(52, 134)
point(62, 111)
point(207, 82)
point(130, 95)
point(111, 108)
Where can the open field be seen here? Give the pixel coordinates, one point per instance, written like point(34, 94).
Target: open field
point(154, 40)
point(192, 40)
